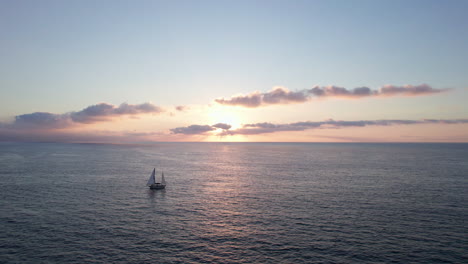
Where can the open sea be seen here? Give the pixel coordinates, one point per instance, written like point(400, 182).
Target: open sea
point(234, 203)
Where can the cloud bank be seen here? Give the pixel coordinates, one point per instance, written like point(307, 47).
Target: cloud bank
point(41, 120)
point(91, 114)
point(103, 112)
point(264, 128)
point(282, 95)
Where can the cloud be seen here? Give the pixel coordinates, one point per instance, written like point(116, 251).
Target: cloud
point(91, 114)
point(281, 95)
point(278, 95)
point(10, 133)
point(192, 130)
point(222, 126)
point(199, 129)
point(336, 91)
point(251, 100)
point(409, 90)
point(103, 111)
point(264, 128)
point(42, 119)
point(181, 108)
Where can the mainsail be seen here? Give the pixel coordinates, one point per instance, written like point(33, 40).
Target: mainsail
point(163, 181)
point(152, 179)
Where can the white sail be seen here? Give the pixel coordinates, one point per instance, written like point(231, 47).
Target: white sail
point(151, 179)
point(163, 181)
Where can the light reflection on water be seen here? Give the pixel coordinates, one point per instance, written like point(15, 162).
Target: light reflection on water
point(234, 203)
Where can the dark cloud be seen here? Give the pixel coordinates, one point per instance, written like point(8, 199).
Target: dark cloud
point(409, 90)
point(199, 129)
point(42, 119)
point(192, 130)
point(264, 128)
point(128, 109)
point(275, 96)
point(284, 96)
point(251, 100)
point(103, 111)
point(91, 114)
point(336, 91)
point(222, 126)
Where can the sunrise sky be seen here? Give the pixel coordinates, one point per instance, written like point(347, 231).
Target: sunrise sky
point(276, 71)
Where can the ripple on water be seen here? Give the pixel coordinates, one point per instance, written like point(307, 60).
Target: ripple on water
point(234, 203)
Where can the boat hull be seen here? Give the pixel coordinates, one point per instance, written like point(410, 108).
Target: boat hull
point(157, 186)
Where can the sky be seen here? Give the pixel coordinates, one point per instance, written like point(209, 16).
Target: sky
point(254, 71)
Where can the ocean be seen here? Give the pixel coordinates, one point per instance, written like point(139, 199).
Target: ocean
point(234, 203)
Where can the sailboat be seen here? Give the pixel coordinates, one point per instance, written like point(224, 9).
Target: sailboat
point(156, 185)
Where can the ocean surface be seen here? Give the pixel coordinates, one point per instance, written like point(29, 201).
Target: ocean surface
point(234, 203)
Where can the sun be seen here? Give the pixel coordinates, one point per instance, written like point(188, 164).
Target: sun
point(225, 116)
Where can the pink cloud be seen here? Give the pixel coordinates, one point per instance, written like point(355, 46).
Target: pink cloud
point(265, 128)
point(91, 114)
point(103, 111)
point(285, 96)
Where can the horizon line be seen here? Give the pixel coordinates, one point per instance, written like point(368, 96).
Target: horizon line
point(239, 142)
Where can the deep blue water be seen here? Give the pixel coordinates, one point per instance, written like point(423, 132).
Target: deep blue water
point(234, 203)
